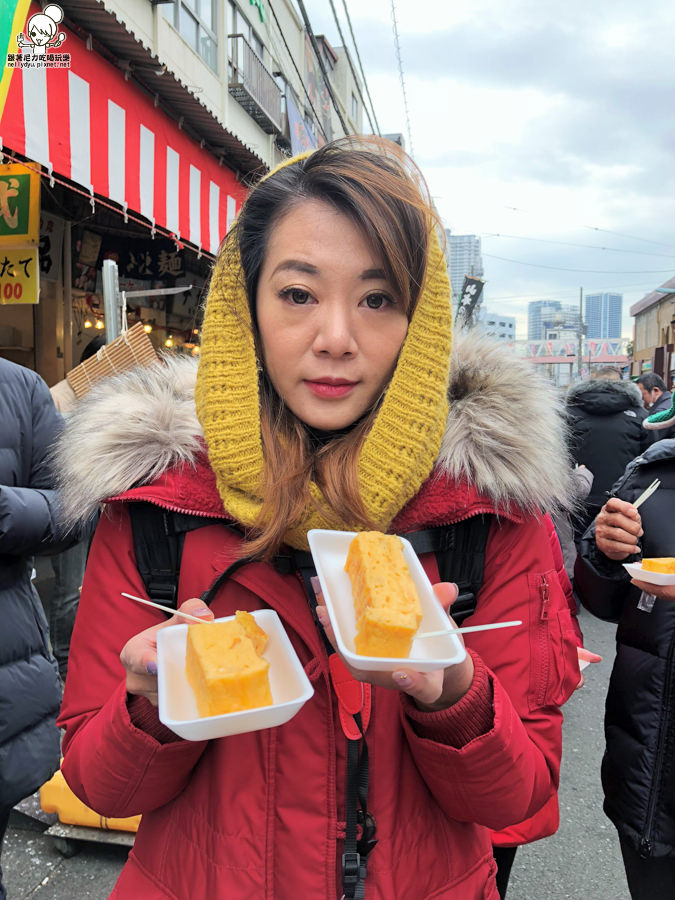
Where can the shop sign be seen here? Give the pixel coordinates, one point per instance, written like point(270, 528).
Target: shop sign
point(51, 246)
point(302, 139)
point(19, 275)
point(146, 259)
point(19, 206)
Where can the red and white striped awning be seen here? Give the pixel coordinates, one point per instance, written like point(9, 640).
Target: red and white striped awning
point(92, 126)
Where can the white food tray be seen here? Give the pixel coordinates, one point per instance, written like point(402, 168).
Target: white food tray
point(636, 571)
point(177, 704)
point(329, 551)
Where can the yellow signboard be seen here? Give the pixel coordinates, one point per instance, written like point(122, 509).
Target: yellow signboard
point(19, 275)
point(19, 206)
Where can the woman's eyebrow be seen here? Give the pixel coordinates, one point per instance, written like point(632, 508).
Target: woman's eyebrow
point(296, 265)
point(373, 274)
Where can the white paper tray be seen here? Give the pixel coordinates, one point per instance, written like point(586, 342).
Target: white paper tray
point(329, 551)
point(636, 571)
point(177, 704)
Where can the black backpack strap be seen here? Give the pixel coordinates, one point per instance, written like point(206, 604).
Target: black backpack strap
point(460, 555)
point(159, 535)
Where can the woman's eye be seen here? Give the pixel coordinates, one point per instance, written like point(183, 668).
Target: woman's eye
point(377, 301)
point(295, 295)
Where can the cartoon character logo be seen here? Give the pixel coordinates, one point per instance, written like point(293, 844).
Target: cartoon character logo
point(42, 32)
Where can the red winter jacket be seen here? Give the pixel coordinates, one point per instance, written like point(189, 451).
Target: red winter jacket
point(260, 816)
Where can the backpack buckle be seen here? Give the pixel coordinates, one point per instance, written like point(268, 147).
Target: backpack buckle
point(162, 592)
point(351, 866)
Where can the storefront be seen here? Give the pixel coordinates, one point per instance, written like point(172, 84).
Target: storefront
point(120, 179)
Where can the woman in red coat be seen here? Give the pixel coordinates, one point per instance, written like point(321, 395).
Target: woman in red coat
point(323, 400)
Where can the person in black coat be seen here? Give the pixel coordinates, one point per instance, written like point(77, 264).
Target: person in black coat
point(605, 432)
point(657, 399)
point(30, 690)
point(638, 768)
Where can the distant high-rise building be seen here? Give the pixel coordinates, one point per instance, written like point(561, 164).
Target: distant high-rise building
point(545, 316)
point(499, 326)
point(602, 314)
point(464, 258)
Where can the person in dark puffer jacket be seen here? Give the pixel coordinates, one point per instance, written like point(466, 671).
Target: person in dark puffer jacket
point(638, 775)
point(30, 690)
point(605, 433)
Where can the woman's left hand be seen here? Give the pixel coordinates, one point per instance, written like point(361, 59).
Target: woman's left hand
point(431, 691)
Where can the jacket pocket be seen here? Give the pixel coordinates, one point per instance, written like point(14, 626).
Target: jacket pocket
point(554, 665)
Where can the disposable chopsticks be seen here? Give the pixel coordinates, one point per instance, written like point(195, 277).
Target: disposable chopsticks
point(645, 495)
point(167, 609)
point(426, 634)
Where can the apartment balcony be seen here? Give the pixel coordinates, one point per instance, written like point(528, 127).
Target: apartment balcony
point(252, 86)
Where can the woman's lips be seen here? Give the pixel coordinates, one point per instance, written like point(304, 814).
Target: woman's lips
point(331, 387)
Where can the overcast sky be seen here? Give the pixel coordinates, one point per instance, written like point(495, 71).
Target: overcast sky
point(550, 125)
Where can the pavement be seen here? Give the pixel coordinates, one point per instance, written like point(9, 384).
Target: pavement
point(581, 861)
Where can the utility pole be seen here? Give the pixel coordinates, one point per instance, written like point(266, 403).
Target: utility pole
point(580, 333)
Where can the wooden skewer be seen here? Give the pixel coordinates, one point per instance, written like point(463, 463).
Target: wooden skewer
point(645, 495)
point(167, 609)
point(468, 628)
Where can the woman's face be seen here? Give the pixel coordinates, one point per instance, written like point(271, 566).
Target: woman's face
point(330, 323)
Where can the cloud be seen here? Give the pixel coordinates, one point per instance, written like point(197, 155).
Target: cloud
point(537, 122)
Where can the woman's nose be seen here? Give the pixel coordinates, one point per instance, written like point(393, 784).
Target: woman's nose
point(335, 333)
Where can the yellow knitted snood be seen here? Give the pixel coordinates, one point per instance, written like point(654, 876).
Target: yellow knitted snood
point(401, 448)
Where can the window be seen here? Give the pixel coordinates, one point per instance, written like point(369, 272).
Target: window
point(195, 21)
point(355, 107)
point(239, 24)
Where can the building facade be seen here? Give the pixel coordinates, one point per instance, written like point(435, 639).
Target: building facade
point(654, 333)
point(501, 327)
point(602, 315)
point(545, 317)
point(144, 123)
point(463, 255)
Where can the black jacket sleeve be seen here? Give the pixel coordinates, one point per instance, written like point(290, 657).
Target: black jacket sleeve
point(601, 584)
point(28, 516)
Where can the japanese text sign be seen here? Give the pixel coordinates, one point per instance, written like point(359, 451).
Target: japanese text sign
point(19, 275)
point(19, 206)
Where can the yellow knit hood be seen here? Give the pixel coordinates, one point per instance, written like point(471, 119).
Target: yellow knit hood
point(398, 453)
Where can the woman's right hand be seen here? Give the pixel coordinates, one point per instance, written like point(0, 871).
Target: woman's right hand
point(617, 529)
point(139, 654)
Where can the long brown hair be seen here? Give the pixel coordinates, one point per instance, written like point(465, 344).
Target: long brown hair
point(378, 187)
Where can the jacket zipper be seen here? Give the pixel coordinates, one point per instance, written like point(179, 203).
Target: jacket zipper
point(176, 509)
point(646, 847)
point(542, 640)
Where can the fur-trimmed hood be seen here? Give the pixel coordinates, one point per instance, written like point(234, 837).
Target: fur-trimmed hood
point(504, 433)
point(604, 397)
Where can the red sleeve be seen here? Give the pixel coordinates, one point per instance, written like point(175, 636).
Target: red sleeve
point(564, 580)
point(508, 773)
point(114, 766)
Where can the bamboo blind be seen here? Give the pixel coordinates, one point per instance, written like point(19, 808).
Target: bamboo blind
point(132, 348)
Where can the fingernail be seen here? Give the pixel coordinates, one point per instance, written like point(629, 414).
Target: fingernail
point(316, 584)
point(641, 533)
point(151, 668)
point(322, 616)
point(402, 679)
point(202, 613)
